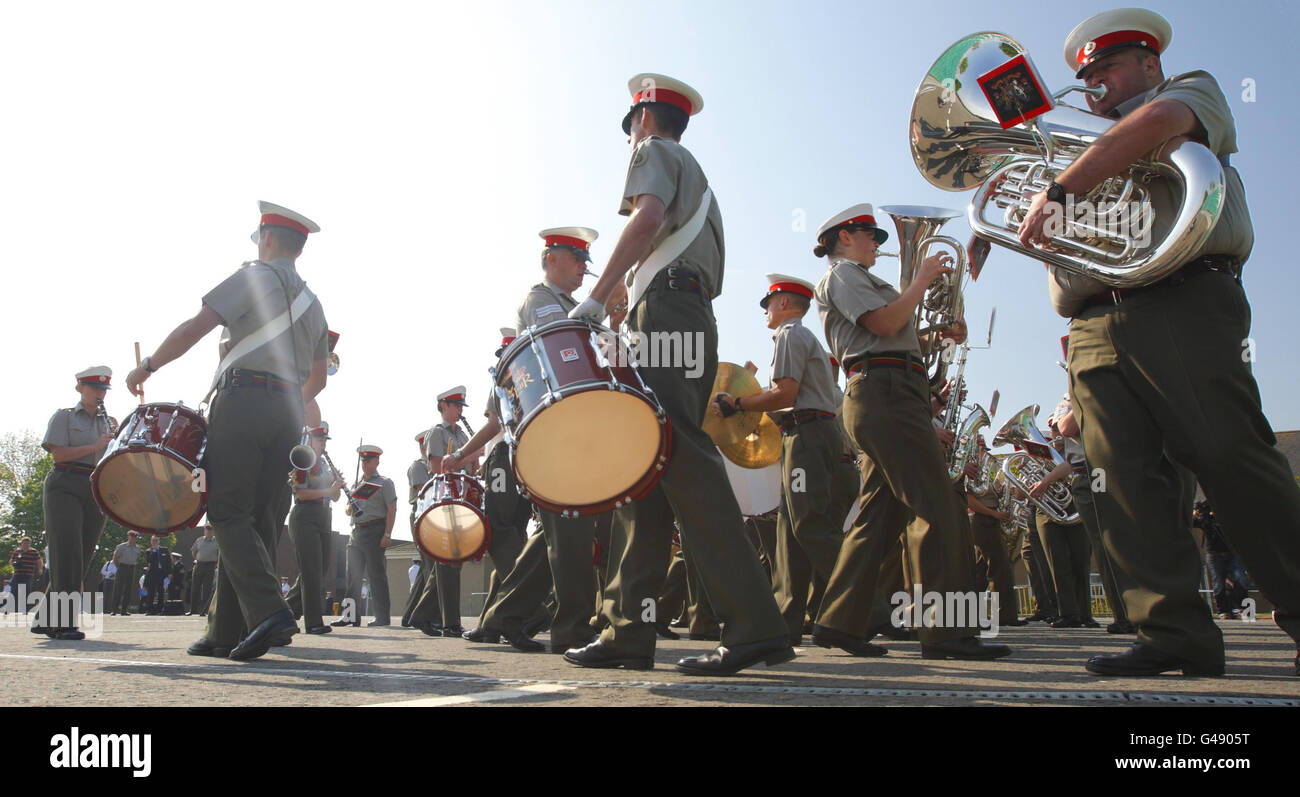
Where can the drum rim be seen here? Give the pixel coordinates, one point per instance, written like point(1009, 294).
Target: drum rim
point(189, 523)
point(477, 554)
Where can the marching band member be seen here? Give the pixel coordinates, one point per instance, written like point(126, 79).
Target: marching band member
point(871, 330)
point(1160, 368)
point(1069, 556)
point(76, 437)
point(672, 249)
point(442, 439)
point(992, 566)
point(417, 475)
point(802, 402)
point(372, 532)
point(266, 387)
point(309, 528)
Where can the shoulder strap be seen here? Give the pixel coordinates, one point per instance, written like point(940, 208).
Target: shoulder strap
point(266, 333)
point(672, 248)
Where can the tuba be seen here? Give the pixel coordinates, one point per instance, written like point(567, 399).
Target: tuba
point(958, 143)
point(1026, 465)
point(918, 228)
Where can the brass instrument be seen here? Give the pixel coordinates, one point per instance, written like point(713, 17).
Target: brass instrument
point(1027, 465)
point(965, 437)
point(958, 144)
point(354, 506)
point(303, 456)
point(943, 306)
point(748, 438)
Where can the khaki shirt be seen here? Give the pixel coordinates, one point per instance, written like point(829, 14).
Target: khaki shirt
point(205, 550)
point(417, 475)
point(1232, 235)
point(318, 477)
point(253, 296)
point(845, 292)
point(376, 506)
point(126, 553)
point(74, 427)
point(544, 303)
point(797, 355)
point(435, 445)
point(670, 172)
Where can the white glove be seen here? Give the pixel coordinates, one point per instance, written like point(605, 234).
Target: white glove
point(589, 309)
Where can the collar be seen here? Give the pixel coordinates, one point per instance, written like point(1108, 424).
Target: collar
point(556, 289)
point(796, 321)
point(84, 411)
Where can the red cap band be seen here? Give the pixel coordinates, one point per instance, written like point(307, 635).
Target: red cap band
point(791, 287)
point(663, 95)
point(454, 397)
point(862, 220)
point(95, 380)
point(1111, 39)
point(276, 220)
point(577, 243)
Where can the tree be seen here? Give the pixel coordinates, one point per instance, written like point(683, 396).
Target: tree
point(20, 455)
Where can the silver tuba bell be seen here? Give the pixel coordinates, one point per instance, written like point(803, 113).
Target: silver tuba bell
point(918, 229)
point(958, 144)
point(1026, 465)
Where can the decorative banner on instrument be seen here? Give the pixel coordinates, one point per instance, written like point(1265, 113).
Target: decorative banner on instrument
point(366, 490)
point(1016, 91)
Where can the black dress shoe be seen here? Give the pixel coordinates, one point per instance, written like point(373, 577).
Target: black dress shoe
point(453, 630)
point(521, 642)
point(796, 641)
point(1035, 617)
point(535, 627)
point(345, 623)
point(1141, 659)
point(432, 629)
point(204, 647)
point(40, 629)
point(1088, 622)
point(680, 622)
point(968, 648)
point(376, 622)
point(854, 646)
point(284, 638)
point(261, 638)
point(1014, 623)
point(560, 647)
point(707, 636)
point(602, 656)
point(1066, 622)
point(482, 635)
point(729, 661)
point(890, 631)
point(319, 629)
point(1121, 627)
point(665, 632)
point(70, 635)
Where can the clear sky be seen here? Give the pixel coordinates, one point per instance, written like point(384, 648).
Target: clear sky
point(432, 141)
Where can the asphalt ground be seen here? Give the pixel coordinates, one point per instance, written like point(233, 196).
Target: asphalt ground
point(141, 660)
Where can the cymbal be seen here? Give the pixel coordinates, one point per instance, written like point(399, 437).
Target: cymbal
point(736, 381)
point(760, 448)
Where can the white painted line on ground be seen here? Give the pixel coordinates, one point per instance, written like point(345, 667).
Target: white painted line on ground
point(478, 697)
point(732, 687)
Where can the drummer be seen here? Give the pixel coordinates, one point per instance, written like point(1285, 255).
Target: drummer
point(76, 437)
point(871, 329)
point(802, 402)
point(561, 556)
point(442, 439)
point(265, 392)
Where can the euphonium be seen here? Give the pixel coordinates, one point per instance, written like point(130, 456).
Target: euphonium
point(959, 144)
point(918, 228)
point(1026, 466)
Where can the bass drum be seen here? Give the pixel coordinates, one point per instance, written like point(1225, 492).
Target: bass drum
point(586, 433)
point(757, 490)
point(451, 525)
point(145, 480)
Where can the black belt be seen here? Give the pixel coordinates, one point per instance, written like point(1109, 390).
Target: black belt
point(75, 467)
point(1080, 468)
point(1224, 264)
point(369, 523)
point(312, 501)
point(799, 417)
point(237, 378)
point(676, 278)
point(889, 359)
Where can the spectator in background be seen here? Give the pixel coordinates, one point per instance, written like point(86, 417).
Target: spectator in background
point(284, 585)
point(108, 576)
point(158, 561)
point(28, 566)
point(1228, 578)
point(125, 557)
point(205, 555)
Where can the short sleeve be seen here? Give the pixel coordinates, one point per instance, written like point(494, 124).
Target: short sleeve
point(238, 293)
point(1200, 92)
point(390, 492)
point(56, 433)
point(435, 445)
point(851, 300)
point(791, 355)
point(322, 348)
point(653, 170)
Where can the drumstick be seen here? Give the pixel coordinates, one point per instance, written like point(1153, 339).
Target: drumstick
point(137, 365)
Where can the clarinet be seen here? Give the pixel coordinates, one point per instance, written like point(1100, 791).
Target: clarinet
point(103, 413)
point(353, 503)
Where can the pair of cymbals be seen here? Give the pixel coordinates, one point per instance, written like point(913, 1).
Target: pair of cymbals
point(749, 439)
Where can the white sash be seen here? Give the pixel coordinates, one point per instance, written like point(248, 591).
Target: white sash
point(268, 331)
point(672, 248)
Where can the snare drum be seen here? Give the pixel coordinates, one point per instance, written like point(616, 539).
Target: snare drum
point(587, 435)
point(451, 525)
point(145, 481)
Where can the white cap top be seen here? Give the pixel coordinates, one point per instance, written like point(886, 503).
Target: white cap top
point(1101, 34)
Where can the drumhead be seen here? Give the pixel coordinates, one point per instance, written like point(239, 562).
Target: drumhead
point(588, 447)
point(148, 490)
point(451, 532)
point(758, 490)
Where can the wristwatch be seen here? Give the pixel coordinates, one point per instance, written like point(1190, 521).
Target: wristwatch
point(147, 366)
point(1056, 193)
point(737, 403)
